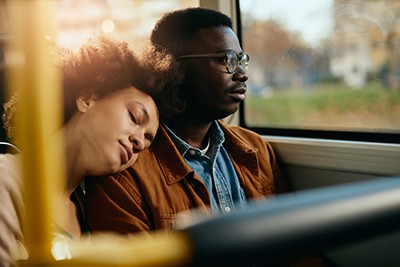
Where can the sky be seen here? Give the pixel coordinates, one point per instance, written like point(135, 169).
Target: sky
point(312, 18)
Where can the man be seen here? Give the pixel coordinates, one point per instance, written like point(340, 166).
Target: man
point(196, 161)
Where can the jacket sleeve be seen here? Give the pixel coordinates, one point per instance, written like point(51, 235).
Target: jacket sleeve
point(113, 205)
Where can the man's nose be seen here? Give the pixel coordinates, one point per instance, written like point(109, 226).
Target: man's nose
point(241, 74)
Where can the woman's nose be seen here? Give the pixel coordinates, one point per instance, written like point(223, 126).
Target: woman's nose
point(137, 142)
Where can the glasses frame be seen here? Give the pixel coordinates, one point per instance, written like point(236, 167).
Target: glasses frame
point(242, 59)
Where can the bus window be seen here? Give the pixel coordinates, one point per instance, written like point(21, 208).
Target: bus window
point(131, 20)
point(323, 66)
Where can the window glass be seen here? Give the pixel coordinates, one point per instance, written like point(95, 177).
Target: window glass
point(129, 20)
point(323, 64)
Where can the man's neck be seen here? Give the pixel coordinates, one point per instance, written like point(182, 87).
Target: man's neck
point(192, 132)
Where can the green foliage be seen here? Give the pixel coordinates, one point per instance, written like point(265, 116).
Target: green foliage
point(327, 106)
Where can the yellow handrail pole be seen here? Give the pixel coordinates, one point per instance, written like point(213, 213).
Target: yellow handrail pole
point(31, 70)
point(162, 249)
point(32, 73)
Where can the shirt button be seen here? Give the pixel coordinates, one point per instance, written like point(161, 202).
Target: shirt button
point(227, 209)
point(192, 152)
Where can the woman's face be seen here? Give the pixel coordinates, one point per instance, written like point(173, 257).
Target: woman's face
point(116, 128)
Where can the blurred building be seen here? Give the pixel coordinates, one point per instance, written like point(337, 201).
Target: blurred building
point(365, 38)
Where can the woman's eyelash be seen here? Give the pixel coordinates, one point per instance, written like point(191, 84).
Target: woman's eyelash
point(133, 118)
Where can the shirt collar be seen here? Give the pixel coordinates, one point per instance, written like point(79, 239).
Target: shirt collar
point(181, 145)
point(216, 138)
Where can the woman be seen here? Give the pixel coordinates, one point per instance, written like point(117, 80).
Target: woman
point(109, 117)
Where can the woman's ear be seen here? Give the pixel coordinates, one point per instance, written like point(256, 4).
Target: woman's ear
point(83, 103)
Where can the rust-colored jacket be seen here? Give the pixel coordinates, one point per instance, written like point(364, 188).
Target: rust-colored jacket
point(160, 184)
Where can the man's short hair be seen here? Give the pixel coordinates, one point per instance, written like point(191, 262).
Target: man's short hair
point(176, 30)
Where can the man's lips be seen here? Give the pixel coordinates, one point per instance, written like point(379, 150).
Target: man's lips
point(238, 93)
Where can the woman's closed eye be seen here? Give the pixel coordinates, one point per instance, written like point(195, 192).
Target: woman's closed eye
point(133, 117)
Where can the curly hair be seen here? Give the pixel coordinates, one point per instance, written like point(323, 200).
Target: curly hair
point(8, 115)
point(169, 79)
point(101, 67)
point(176, 33)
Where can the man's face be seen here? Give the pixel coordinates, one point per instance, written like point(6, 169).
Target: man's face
point(211, 92)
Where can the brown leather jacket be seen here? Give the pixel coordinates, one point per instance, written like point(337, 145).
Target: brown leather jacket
point(160, 184)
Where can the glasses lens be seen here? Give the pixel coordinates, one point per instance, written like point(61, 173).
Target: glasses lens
point(231, 61)
point(244, 61)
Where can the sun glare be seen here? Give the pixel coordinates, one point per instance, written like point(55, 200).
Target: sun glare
point(107, 26)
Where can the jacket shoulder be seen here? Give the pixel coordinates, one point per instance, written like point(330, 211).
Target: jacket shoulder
point(243, 134)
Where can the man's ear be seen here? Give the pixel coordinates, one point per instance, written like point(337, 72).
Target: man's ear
point(83, 103)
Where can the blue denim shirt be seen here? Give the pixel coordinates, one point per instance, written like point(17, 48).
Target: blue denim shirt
point(215, 169)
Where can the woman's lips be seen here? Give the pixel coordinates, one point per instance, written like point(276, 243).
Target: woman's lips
point(127, 153)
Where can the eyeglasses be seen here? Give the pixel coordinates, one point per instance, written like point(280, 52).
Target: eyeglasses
point(232, 59)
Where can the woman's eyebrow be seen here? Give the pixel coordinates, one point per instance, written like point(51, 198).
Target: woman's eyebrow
point(149, 137)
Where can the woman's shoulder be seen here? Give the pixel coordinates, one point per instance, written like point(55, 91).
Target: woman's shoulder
point(11, 173)
point(12, 208)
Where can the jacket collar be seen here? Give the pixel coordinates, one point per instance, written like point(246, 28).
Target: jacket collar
point(174, 166)
point(233, 142)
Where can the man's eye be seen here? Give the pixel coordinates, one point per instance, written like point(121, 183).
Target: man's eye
point(221, 59)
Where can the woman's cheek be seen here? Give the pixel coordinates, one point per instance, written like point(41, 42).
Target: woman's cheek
point(129, 163)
